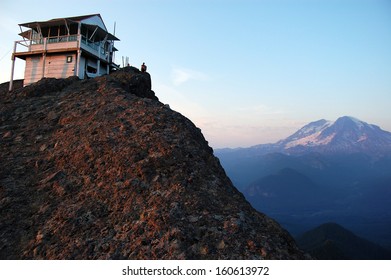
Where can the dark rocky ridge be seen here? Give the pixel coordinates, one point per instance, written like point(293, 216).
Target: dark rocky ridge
point(100, 169)
point(330, 241)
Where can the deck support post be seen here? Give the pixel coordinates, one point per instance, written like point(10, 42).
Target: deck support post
point(11, 85)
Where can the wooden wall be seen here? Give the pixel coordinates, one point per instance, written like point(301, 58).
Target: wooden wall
point(56, 66)
point(60, 65)
point(33, 69)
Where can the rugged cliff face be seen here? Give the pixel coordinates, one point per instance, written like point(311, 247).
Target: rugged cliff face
point(100, 169)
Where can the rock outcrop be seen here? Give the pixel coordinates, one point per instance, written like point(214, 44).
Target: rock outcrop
point(100, 169)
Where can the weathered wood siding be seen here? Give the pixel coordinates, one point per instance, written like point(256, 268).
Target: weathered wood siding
point(57, 66)
point(33, 69)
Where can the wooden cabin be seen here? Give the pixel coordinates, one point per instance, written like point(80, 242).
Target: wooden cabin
point(63, 47)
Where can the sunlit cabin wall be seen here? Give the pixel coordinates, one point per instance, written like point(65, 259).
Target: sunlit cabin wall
point(60, 66)
point(33, 70)
point(56, 66)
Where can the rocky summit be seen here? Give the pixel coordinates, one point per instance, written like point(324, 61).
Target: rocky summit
point(100, 169)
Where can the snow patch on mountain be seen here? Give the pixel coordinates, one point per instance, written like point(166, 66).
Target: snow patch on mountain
point(362, 138)
point(359, 124)
point(310, 141)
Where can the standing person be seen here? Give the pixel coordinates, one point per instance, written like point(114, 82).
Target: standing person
point(143, 67)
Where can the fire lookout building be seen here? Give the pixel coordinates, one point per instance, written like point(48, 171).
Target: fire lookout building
point(63, 47)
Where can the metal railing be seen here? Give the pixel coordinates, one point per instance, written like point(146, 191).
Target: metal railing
point(54, 39)
point(95, 47)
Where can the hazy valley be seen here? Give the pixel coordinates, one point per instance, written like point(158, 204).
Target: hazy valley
point(325, 172)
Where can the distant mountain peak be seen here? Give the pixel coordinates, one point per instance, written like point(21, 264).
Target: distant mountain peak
point(347, 134)
point(311, 129)
point(349, 118)
point(348, 122)
point(307, 135)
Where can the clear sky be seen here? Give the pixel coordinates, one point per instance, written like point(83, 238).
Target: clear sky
point(246, 72)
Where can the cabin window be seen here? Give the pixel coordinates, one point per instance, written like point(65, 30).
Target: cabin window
point(69, 59)
point(91, 69)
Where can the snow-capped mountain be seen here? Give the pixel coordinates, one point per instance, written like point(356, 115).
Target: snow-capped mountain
point(346, 134)
point(326, 171)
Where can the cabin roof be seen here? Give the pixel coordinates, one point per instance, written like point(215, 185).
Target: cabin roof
point(61, 21)
point(57, 21)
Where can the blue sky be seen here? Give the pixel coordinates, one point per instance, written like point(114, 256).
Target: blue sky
point(246, 72)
